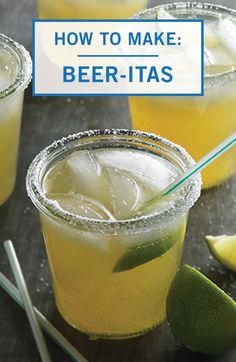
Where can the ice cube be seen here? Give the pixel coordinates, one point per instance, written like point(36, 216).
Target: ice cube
point(220, 49)
point(227, 33)
point(131, 189)
point(208, 59)
point(125, 194)
point(8, 69)
point(154, 173)
point(58, 180)
point(211, 38)
point(88, 174)
point(82, 206)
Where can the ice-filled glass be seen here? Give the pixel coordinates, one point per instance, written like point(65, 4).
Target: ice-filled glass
point(89, 9)
point(112, 257)
point(15, 75)
point(199, 123)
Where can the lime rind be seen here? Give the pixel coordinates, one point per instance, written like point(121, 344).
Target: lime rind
point(223, 248)
point(200, 314)
point(139, 255)
point(144, 253)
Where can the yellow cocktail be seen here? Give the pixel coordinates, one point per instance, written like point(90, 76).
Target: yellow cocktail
point(15, 74)
point(199, 123)
point(112, 259)
point(89, 9)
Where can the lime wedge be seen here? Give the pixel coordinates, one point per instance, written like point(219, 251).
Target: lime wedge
point(217, 69)
point(223, 248)
point(211, 40)
point(144, 253)
point(200, 314)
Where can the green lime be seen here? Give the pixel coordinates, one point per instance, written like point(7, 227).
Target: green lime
point(141, 254)
point(200, 314)
point(211, 39)
point(223, 248)
point(217, 69)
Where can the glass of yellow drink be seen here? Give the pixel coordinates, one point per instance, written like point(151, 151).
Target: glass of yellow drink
point(15, 75)
point(89, 9)
point(112, 261)
point(199, 123)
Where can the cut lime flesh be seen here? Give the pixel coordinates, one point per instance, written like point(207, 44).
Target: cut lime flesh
point(223, 248)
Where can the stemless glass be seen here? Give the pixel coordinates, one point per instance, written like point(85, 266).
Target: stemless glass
point(15, 75)
point(89, 9)
point(197, 123)
point(93, 292)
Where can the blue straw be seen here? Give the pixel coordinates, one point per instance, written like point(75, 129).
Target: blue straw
point(200, 165)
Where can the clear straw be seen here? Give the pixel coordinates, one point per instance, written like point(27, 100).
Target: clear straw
point(200, 165)
point(16, 269)
point(44, 323)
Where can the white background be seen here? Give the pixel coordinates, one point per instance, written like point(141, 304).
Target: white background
point(50, 59)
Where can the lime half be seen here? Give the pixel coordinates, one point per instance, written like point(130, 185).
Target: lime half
point(200, 314)
point(223, 248)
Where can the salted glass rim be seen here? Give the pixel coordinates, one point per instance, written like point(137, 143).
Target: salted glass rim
point(180, 204)
point(198, 6)
point(24, 63)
